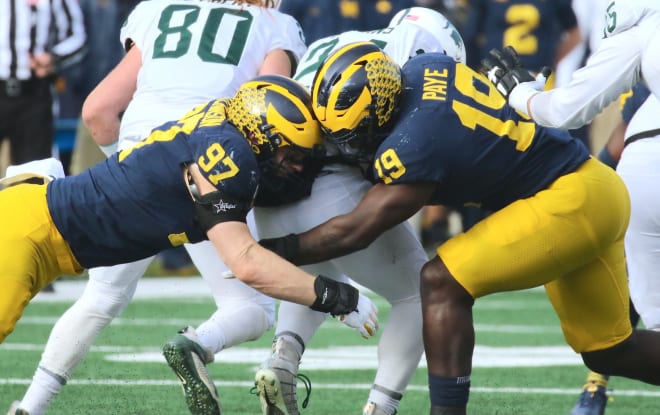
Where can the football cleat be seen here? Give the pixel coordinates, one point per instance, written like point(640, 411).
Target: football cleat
point(591, 401)
point(372, 409)
point(188, 360)
point(276, 381)
point(15, 410)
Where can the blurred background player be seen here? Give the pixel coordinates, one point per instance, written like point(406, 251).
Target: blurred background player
point(320, 18)
point(542, 32)
point(335, 191)
point(38, 39)
point(103, 19)
point(161, 77)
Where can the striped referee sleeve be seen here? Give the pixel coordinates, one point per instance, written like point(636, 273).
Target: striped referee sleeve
point(69, 28)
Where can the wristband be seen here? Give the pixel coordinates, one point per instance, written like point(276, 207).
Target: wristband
point(285, 246)
point(521, 94)
point(334, 297)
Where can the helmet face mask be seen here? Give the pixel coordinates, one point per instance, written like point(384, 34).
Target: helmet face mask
point(355, 94)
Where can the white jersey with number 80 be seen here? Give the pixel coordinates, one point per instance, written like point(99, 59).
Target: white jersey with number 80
point(219, 45)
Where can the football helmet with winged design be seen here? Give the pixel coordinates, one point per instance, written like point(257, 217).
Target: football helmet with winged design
point(355, 93)
point(274, 111)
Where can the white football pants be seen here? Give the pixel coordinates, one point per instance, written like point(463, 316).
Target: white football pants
point(390, 267)
point(639, 168)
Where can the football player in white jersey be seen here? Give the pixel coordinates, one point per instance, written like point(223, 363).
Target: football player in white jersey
point(390, 266)
point(179, 54)
point(630, 51)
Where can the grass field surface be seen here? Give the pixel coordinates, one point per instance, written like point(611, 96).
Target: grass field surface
point(521, 364)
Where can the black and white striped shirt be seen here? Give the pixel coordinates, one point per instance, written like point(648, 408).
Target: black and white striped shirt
point(30, 27)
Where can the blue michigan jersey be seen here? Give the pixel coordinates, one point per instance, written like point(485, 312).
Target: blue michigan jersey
point(455, 129)
point(137, 203)
point(533, 27)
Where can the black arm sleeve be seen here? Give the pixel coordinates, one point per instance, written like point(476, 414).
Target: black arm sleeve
point(285, 246)
point(215, 207)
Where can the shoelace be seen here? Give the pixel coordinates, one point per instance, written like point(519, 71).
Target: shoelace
point(308, 388)
point(306, 382)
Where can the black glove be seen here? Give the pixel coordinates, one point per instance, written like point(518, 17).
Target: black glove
point(334, 297)
point(503, 69)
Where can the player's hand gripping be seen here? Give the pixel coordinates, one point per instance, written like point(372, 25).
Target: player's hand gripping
point(504, 70)
point(364, 319)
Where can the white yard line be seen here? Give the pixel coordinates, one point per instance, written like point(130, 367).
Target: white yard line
point(338, 386)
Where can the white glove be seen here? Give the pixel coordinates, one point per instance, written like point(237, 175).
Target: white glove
point(364, 319)
point(524, 91)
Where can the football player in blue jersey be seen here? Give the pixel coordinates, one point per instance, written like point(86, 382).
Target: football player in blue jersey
point(542, 32)
point(191, 179)
point(435, 131)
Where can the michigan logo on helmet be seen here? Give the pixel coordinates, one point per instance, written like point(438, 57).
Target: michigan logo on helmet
point(274, 111)
point(437, 25)
point(355, 93)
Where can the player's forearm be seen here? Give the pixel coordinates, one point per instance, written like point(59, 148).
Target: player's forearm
point(273, 276)
point(610, 71)
point(327, 241)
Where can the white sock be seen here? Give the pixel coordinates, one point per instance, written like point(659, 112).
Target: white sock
point(45, 385)
point(384, 399)
point(211, 335)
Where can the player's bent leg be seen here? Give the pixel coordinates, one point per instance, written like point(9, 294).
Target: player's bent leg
point(13, 300)
point(276, 380)
point(400, 346)
point(400, 349)
point(593, 399)
point(236, 322)
point(188, 359)
point(106, 295)
point(447, 313)
point(635, 358)
point(243, 313)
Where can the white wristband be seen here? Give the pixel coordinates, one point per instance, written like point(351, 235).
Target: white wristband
point(521, 94)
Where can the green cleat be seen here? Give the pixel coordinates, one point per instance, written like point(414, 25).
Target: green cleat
point(188, 360)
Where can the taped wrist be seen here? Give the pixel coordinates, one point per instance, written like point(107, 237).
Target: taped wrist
point(285, 246)
point(213, 208)
point(334, 297)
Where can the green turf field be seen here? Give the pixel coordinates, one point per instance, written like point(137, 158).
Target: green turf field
point(522, 365)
